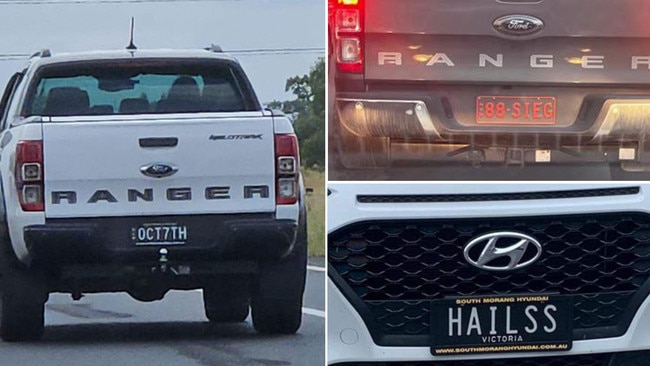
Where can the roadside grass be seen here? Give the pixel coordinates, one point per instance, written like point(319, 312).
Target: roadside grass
point(315, 211)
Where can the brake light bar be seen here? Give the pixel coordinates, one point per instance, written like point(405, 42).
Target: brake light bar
point(28, 175)
point(287, 169)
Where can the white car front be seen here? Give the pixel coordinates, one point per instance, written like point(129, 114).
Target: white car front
point(396, 251)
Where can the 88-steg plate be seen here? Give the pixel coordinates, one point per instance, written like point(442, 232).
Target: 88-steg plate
point(516, 110)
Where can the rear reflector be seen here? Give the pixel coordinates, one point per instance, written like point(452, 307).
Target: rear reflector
point(287, 190)
point(31, 172)
point(286, 165)
point(287, 169)
point(350, 51)
point(32, 195)
point(347, 20)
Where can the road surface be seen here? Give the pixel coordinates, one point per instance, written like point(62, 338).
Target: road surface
point(115, 330)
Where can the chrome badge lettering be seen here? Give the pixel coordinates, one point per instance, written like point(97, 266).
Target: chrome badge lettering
point(170, 194)
point(515, 252)
point(486, 60)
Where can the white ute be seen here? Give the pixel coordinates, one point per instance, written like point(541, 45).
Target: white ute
point(145, 171)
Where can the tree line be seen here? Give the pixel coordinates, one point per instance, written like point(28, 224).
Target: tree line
point(307, 111)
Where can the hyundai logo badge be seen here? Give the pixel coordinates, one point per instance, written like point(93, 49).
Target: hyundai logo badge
point(502, 251)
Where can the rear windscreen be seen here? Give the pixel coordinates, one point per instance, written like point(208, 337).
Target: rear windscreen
point(139, 87)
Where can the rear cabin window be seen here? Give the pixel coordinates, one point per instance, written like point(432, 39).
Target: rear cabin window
point(139, 87)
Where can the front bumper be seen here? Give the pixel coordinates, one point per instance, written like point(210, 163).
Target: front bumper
point(350, 339)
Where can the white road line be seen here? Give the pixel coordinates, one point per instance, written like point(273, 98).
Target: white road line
point(314, 312)
point(315, 268)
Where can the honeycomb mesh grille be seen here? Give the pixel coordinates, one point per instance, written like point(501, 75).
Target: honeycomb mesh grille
point(396, 268)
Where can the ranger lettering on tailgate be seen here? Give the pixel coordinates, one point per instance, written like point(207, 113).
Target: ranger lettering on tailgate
point(173, 194)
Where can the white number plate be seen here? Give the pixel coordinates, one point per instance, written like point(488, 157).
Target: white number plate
point(159, 234)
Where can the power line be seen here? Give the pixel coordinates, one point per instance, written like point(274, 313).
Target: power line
point(266, 52)
point(241, 52)
point(277, 54)
point(304, 49)
point(89, 2)
point(13, 56)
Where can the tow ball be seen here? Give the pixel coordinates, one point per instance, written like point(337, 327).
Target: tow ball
point(163, 266)
point(163, 259)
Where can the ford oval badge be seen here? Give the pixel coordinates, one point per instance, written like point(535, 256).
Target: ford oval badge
point(158, 170)
point(518, 25)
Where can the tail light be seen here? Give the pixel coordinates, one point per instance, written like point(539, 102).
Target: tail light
point(287, 168)
point(29, 175)
point(347, 19)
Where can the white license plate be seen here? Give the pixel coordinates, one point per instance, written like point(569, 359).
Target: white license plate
point(159, 234)
point(492, 324)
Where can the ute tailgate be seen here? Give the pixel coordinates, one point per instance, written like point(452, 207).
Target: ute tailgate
point(222, 154)
point(421, 31)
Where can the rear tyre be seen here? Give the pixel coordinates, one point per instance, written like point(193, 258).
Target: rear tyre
point(22, 307)
point(227, 302)
point(277, 301)
point(357, 152)
point(23, 292)
point(22, 298)
point(277, 316)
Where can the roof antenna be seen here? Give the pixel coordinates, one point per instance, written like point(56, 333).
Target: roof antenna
point(131, 46)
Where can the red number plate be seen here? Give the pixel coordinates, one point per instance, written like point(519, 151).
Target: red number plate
point(505, 110)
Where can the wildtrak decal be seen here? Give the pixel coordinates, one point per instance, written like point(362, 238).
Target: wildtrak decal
point(235, 137)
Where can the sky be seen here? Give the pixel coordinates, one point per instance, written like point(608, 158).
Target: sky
point(27, 26)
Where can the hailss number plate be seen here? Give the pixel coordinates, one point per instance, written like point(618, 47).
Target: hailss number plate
point(493, 324)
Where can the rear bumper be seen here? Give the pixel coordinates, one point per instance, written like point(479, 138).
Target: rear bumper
point(211, 238)
point(424, 127)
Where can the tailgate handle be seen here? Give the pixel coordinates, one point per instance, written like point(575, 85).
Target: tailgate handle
point(158, 142)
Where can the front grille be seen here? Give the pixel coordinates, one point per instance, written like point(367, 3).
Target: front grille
point(427, 198)
point(391, 270)
point(602, 359)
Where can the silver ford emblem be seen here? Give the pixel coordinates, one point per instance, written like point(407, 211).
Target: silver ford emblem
point(518, 25)
point(502, 251)
point(158, 170)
